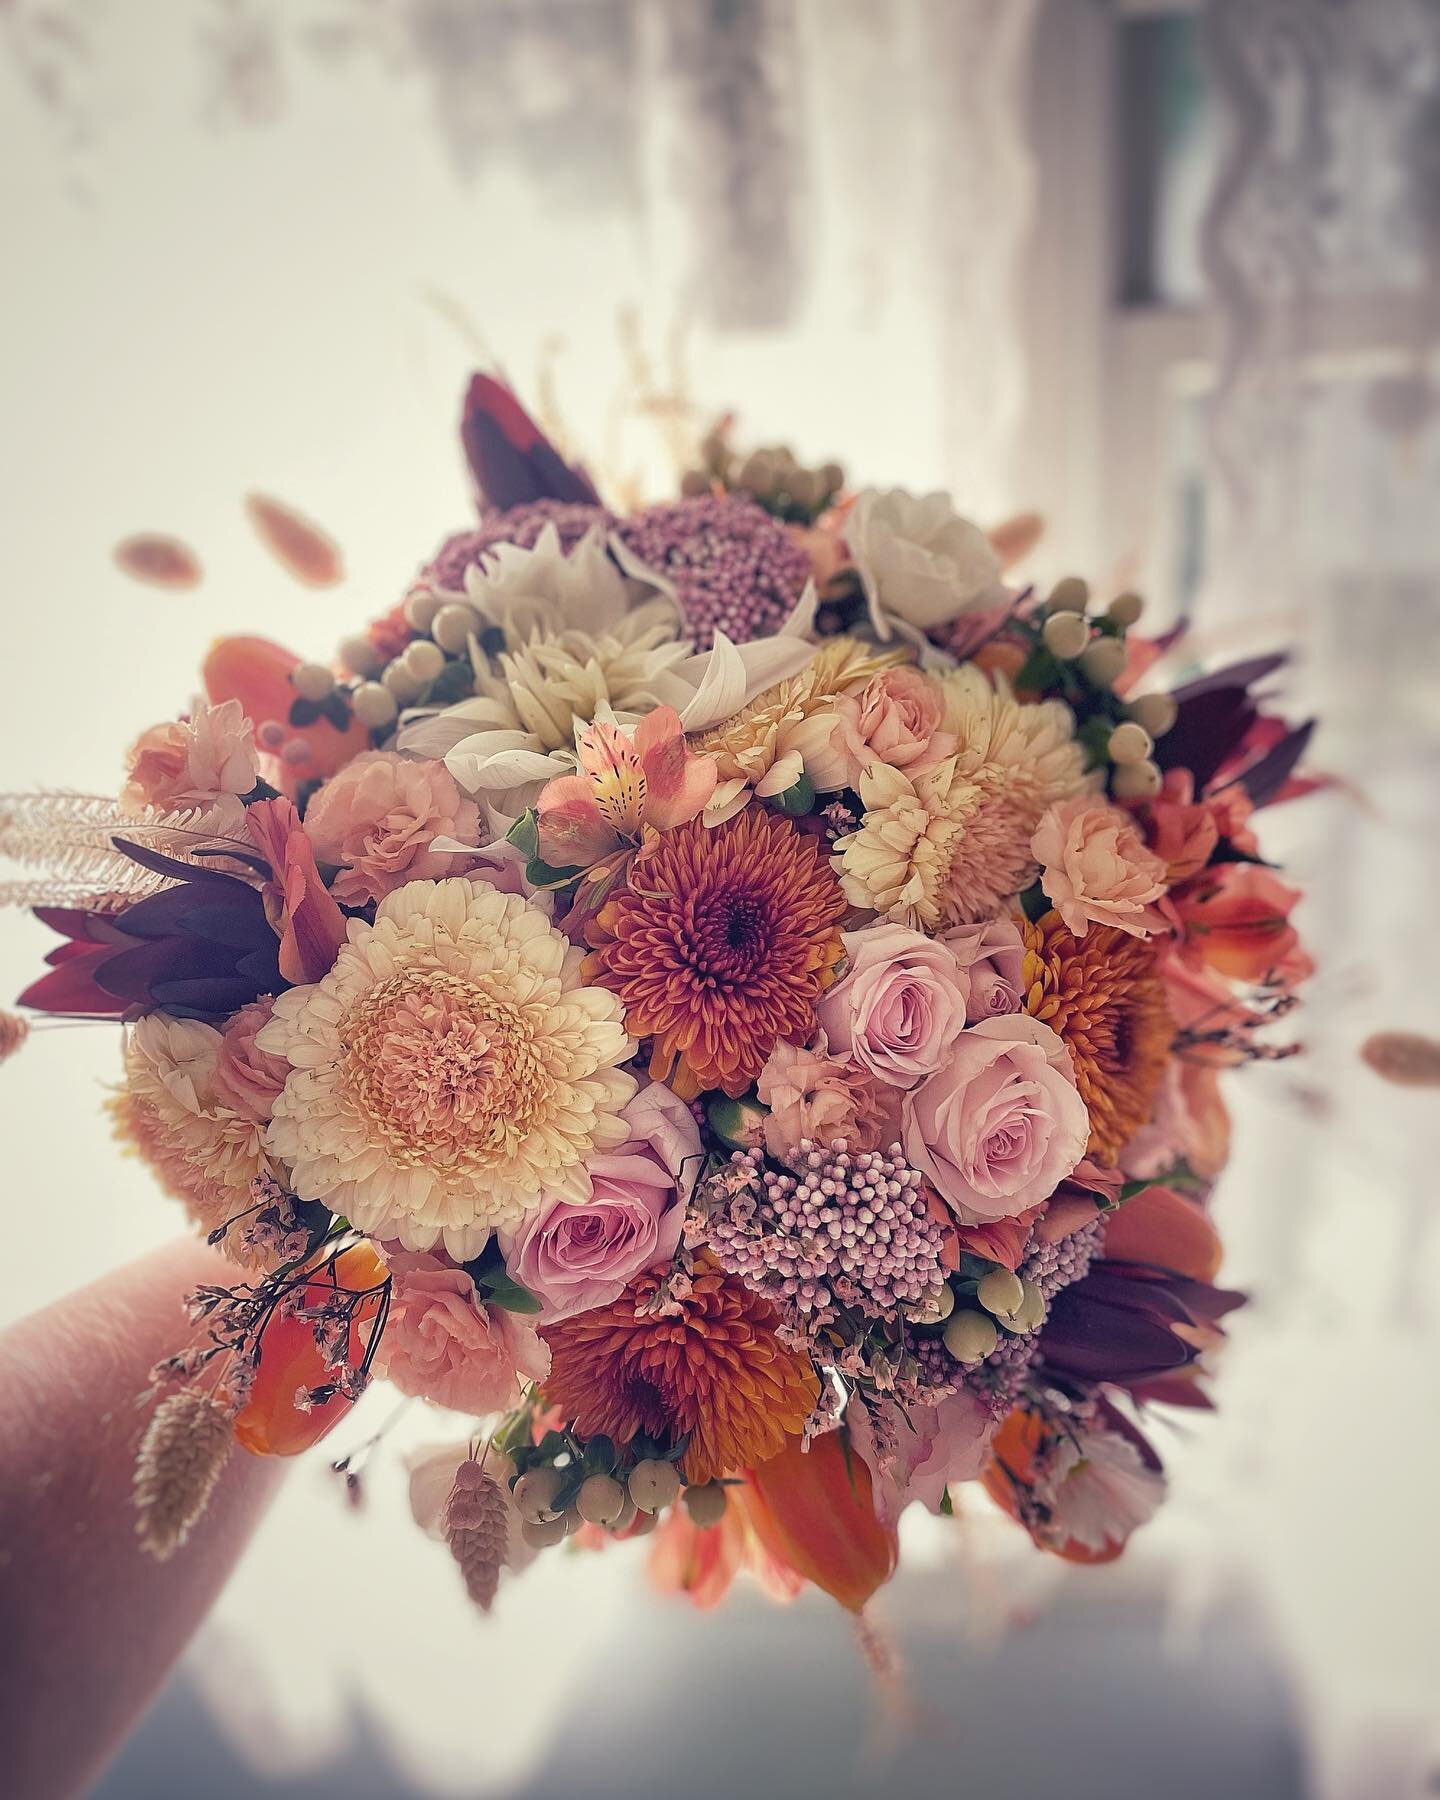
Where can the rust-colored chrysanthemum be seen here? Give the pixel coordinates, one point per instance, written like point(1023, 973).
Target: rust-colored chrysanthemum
point(716, 1370)
point(1103, 994)
point(719, 946)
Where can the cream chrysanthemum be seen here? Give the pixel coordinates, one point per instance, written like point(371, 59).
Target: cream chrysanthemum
point(898, 863)
point(1021, 757)
point(449, 1068)
point(171, 1111)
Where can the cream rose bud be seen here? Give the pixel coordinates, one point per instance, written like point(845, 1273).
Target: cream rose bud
point(1001, 1125)
point(1095, 867)
point(900, 1005)
point(919, 562)
point(575, 1253)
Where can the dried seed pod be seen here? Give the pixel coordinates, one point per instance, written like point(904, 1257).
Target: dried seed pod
point(186, 1445)
point(476, 1524)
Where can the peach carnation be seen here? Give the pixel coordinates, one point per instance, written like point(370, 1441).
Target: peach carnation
point(247, 1077)
point(442, 1344)
point(1095, 867)
point(377, 818)
point(206, 759)
point(450, 1068)
point(816, 1097)
point(895, 719)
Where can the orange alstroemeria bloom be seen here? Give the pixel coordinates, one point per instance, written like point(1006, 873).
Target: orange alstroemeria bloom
point(1236, 920)
point(814, 1512)
point(1164, 1230)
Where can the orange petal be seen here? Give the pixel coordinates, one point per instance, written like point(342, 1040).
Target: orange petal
point(1166, 1229)
point(813, 1511)
point(256, 672)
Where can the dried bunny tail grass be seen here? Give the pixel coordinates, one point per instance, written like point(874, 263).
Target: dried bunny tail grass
point(71, 837)
point(13, 1032)
point(476, 1525)
point(186, 1445)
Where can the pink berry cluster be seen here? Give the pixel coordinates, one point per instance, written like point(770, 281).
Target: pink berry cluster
point(734, 568)
point(851, 1230)
point(519, 525)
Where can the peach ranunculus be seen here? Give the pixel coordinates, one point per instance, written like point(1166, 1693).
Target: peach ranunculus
point(201, 761)
point(441, 1343)
point(1236, 920)
point(247, 1077)
point(894, 719)
point(376, 819)
point(899, 1006)
point(816, 1097)
point(992, 958)
point(1095, 867)
point(1002, 1124)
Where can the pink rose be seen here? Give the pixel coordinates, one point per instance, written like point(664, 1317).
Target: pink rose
point(894, 719)
point(209, 757)
point(818, 1098)
point(575, 1255)
point(1095, 867)
point(899, 1006)
point(1001, 1125)
point(918, 1454)
point(376, 820)
point(442, 1344)
point(992, 958)
point(247, 1077)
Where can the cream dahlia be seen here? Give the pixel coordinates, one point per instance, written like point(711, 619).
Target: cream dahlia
point(898, 863)
point(449, 1068)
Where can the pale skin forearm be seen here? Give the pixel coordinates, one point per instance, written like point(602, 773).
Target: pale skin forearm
point(89, 1624)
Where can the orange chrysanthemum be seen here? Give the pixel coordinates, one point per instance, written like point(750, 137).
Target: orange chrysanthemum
point(719, 947)
point(1104, 995)
point(716, 1370)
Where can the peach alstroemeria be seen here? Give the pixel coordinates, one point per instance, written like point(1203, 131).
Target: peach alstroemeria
point(630, 787)
point(304, 916)
point(1236, 920)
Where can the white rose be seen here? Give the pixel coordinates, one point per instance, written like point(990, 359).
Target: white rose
point(920, 563)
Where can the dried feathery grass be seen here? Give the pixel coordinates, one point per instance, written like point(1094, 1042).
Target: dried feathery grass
point(186, 1445)
point(476, 1524)
point(13, 1032)
point(71, 837)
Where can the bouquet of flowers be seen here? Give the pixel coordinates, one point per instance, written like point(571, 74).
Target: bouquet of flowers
point(730, 999)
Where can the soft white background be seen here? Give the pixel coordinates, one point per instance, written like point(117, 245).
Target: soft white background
point(252, 246)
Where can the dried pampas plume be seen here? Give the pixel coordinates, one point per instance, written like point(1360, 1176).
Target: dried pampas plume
point(476, 1523)
point(186, 1445)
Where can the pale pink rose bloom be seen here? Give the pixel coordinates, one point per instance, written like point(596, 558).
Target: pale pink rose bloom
point(900, 1005)
point(818, 1098)
point(442, 1344)
point(193, 762)
point(1001, 1125)
point(992, 956)
point(576, 1254)
point(894, 719)
point(1095, 867)
point(375, 820)
point(929, 1450)
point(247, 1077)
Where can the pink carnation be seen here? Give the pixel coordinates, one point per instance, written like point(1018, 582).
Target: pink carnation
point(247, 1077)
point(815, 1096)
point(1095, 867)
point(577, 1254)
point(899, 1006)
point(894, 719)
point(1002, 1124)
point(196, 762)
point(992, 958)
point(376, 820)
point(442, 1344)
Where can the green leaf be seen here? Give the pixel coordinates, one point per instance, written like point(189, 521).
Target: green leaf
point(336, 708)
point(1035, 903)
point(500, 1290)
point(524, 834)
point(541, 874)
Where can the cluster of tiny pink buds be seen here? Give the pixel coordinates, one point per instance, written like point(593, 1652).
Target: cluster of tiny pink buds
point(851, 1230)
point(1055, 1266)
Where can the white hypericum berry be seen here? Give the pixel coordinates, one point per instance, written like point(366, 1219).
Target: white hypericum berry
point(1066, 634)
point(1136, 781)
point(706, 1505)
point(535, 1493)
point(937, 1304)
point(420, 610)
point(312, 681)
point(1000, 1293)
point(1156, 713)
point(1129, 742)
point(1031, 1315)
point(402, 684)
point(452, 625)
point(653, 1484)
point(601, 1500)
point(423, 660)
point(1103, 660)
point(970, 1336)
point(374, 705)
point(360, 656)
point(1070, 595)
point(1125, 609)
point(539, 1534)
